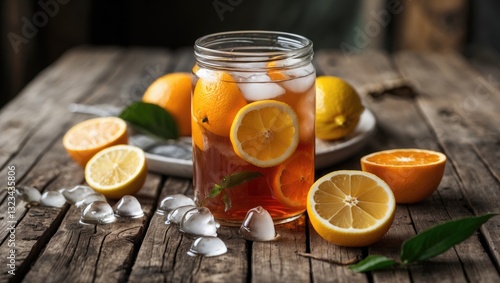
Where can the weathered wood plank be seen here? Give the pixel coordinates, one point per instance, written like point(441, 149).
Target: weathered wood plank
point(163, 255)
point(461, 127)
point(322, 271)
point(487, 63)
point(28, 122)
point(47, 170)
point(102, 241)
point(410, 130)
point(277, 261)
point(52, 172)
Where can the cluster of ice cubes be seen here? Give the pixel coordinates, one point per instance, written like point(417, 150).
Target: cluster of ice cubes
point(94, 206)
point(258, 85)
point(199, 223)
point(194, 221)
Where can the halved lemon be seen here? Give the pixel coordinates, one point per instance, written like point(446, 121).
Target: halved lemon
point(117, 171)
point(265, 133)
point(351, 208)
point(293, 178)
point(88, 137)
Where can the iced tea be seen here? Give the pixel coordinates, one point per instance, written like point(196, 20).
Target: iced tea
point(253, 124)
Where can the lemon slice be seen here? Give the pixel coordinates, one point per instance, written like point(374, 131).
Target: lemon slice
point(351, 208)
point(117, 171)
point(88, 137)
point(265, 133)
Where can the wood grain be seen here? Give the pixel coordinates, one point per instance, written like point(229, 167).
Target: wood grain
point(424, 100)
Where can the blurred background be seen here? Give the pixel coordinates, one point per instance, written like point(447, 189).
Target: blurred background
point(34, 33)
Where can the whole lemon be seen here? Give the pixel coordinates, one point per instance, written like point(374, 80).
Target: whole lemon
point(338, 108)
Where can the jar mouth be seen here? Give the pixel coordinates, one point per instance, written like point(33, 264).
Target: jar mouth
point(228, 50)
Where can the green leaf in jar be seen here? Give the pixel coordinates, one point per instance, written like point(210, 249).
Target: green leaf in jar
point(216, 190)
point(150, 119)
point(440, 238)
point(230, 181)
point(238, 178)
point(227, 201)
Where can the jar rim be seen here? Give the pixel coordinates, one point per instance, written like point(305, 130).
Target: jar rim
point(243, 46)
point(297, 42)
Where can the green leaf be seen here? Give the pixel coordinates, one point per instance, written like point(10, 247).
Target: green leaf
point(238, 178)
point(230, 181)
point(373, 262)
point(216, 190)
point(440, 238)
point(150, 119)
point(227, 201)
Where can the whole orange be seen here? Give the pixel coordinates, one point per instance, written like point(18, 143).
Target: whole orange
point(412, 174)
point(216, 100)
point(173, 92)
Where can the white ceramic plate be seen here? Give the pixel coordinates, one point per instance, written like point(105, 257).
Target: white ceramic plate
point(327, 152)
point(331, 152)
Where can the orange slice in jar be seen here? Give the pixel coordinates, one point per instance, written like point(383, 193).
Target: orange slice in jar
point(293, 178)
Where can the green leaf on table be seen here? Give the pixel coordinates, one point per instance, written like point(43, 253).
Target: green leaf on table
point(440, 238)
point(150, 119)
point(373, 262)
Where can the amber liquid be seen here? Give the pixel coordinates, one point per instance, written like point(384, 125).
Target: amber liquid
point(219, 160)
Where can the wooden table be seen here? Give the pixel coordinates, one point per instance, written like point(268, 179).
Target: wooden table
point(424, 100)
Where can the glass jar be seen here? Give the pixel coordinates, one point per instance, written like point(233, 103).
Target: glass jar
point(253, 112)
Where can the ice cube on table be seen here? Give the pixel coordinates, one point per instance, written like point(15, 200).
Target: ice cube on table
point(207, 246)
point(128, 206)
point(198, 222)
point(29, 194)
point(172, 202)
point(98, 212)
point(77, 193)
point(259, 86)
point(52, 199)
point(258, 225)
point(88, 199)
point(175, 216)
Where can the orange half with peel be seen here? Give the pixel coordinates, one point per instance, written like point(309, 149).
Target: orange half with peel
point(413, 174)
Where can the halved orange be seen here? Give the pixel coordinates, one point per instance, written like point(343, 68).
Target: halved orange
point(88, 137)
point(351, 208)
point(413, 174)
point(265, 133)
point(293, 178)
